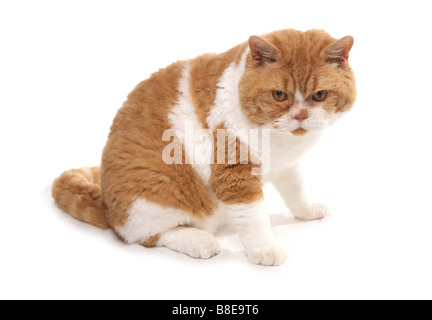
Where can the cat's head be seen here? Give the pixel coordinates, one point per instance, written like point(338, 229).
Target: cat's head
point(297, 81)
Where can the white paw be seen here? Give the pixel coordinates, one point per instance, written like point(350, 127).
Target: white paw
point(315, 211)
point(269, 255)
point(203, 247)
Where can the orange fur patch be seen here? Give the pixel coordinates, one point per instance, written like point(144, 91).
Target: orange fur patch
point(78, 192)
point(205, 74)
point(233, 182)
point(151, 241)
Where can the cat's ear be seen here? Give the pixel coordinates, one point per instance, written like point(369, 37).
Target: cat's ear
point(338, 51)
point(262, 51)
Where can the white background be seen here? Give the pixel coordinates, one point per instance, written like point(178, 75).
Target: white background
point(67, 66)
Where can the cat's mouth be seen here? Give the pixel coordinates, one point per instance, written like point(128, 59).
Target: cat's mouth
point(294, 127)
point(299, 132)
point(300, 128)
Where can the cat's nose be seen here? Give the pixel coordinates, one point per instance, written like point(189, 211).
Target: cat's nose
point(302, 115)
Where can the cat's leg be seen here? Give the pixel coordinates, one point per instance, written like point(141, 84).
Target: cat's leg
point(256, 234)
point(289, 184)
point(150, 224)
point(241, 196)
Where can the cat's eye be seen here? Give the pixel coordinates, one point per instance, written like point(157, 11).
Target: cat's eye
point(320, 96)
point(279, 96)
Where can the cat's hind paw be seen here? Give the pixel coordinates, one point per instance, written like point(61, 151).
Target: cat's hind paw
point(313, 212)
point(269, 255)
point(194, 242)
point(206, 248)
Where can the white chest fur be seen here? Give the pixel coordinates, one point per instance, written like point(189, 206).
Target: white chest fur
point(286, 150)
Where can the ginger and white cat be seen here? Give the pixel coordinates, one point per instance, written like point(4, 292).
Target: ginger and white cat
point(286, 87)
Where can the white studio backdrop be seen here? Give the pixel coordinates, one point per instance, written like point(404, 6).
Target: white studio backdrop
point(67, 66)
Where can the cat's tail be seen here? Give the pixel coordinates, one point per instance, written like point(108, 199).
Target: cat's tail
point(78, 192)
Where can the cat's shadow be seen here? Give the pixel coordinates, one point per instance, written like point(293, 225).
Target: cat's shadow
point(281, 219)
point(277, 219)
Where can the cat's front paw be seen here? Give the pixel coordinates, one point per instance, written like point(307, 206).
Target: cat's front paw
point(268, 255)
point(313, 212)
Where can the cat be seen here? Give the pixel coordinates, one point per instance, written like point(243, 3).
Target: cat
point(287, 85)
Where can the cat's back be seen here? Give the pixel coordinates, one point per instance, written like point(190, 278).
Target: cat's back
point(148, 105)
